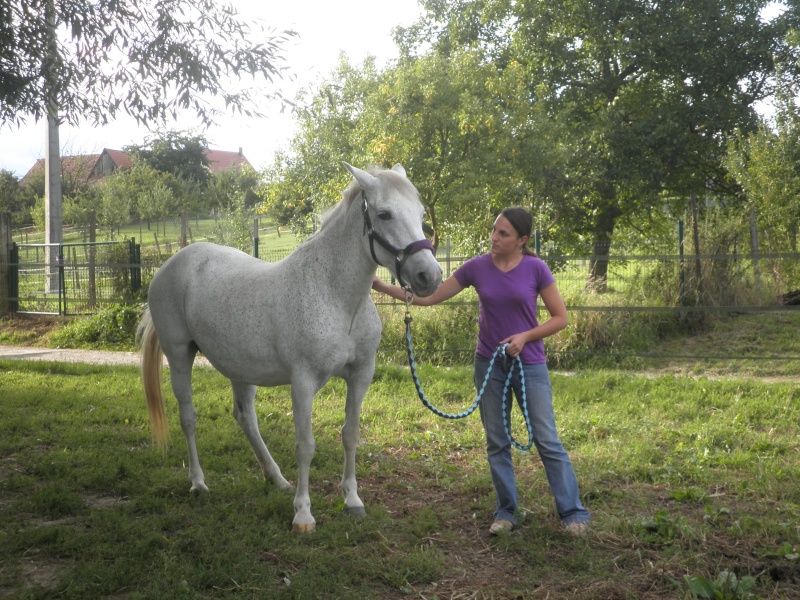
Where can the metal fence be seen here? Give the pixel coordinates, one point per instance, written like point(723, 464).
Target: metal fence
point(80, 278)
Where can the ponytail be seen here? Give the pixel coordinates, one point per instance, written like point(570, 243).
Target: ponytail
point(522, 221)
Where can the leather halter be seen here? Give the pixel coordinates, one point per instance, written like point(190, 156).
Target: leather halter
point(400, 256)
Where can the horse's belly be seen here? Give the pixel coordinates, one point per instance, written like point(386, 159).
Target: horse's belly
point(268, 364)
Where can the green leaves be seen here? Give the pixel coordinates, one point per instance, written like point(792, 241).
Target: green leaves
point(726, 587)
point(150, 59)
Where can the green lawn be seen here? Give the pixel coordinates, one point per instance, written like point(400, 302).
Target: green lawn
point(688, 480)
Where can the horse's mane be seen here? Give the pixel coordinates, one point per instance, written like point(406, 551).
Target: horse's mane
point(353, 192)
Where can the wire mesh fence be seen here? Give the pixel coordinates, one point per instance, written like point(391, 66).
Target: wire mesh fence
point(75, 278)
point(81, 277)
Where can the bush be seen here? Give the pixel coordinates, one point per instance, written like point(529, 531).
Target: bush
point(113, 327)
point(117, 259)
point(442, 335)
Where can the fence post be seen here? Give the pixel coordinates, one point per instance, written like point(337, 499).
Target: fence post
point(681, 266)
point(255, 238)
point(62, 283)
point(448, 258)
point(13, 286)
point(136, 269)
point(92, 259)
point(5, 263)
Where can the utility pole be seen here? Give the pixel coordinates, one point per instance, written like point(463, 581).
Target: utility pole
point(53, 234)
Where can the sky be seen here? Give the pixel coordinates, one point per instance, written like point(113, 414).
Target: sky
point(356, 27)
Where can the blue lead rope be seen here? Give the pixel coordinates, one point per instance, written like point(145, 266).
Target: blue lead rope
point(516, 362)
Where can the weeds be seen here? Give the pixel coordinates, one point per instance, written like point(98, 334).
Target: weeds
point(726, 587)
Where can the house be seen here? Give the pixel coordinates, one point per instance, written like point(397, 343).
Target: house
point(90, 168)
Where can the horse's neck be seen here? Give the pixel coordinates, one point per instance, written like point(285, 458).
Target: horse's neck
point(340, 248)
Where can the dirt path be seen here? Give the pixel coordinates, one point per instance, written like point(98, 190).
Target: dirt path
point(97, 357)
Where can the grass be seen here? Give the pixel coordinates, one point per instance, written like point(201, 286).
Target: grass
point(689, 480)
point(169, 232)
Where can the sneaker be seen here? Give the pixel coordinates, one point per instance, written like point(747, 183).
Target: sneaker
point(501, 526)
point(577, 529)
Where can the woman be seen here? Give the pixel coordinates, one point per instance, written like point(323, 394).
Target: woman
point(508, 280)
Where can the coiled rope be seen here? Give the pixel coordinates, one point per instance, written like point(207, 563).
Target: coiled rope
point(516, 362)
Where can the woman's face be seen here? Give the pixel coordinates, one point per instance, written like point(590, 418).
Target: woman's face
point(505, 239)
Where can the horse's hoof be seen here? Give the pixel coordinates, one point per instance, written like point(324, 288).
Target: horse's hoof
point(355, 511)
point(199, 489)
point(302, 528)
point(284, 487)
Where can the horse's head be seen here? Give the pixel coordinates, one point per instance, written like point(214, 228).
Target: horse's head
point(393, 228)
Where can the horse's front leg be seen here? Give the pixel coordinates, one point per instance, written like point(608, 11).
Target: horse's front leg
point(356, 390)
point(304, 447)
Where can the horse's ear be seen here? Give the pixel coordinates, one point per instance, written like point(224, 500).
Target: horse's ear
point(399, 169)
point(364, 179)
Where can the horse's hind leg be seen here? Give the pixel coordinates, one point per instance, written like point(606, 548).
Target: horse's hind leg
point(245, 414)
point(180, 372)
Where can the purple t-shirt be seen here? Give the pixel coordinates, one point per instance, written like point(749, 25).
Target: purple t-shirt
point(507, 301)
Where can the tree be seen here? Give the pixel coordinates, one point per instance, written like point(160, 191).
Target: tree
point(226, 187)
point(766, 163)
point(72, 60)
point(116, 204)
point(150, 60)
point(180, 156)
point(644, 92)
point(441, 119)
point(179, 153)
point(9, 192)
point(141, 191)
point(445, 120)
point(309, 176)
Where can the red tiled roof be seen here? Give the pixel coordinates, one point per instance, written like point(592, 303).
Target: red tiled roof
point(219, 160)
point(88, 167)
point(80, 167)
point(122, 160)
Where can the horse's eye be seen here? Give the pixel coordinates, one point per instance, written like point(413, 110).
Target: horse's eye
point(384, 215)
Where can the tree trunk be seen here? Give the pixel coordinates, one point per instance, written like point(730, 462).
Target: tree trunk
point(601, 246)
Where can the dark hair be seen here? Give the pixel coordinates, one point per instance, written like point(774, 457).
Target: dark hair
point(522, 222)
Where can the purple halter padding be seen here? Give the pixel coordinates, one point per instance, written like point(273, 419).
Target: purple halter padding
point(417, 246)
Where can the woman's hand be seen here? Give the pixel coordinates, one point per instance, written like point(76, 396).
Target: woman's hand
point(515, 344)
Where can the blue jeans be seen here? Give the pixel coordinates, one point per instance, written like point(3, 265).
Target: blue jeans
point(557, 465)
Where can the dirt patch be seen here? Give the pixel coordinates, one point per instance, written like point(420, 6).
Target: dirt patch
point(30, 330)
point(101, 502)
point(44, 573)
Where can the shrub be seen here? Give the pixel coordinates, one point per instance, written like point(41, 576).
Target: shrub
point(442, 335)
point(113, 327)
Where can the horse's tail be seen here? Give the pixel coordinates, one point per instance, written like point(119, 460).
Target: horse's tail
point(152, 357)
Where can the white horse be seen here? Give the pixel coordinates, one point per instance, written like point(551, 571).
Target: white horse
point(300, 321)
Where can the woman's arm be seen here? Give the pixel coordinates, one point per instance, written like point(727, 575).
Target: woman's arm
point(449, 288)
point(558, 320)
